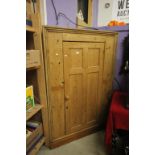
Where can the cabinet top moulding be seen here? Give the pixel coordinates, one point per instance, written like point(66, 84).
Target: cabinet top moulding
point(30, 29)
point(78, 31)
point(31, 112)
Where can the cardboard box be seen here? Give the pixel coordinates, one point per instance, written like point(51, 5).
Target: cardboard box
point(32, 58)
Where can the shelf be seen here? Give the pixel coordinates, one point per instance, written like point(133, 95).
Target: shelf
point(31, 112)
point(37, 146)
point(38, 130)
point(30, 29)
point(32, 68)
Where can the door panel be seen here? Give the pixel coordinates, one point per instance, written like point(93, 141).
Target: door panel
point(93, 57)
point(92, 97)
point(74, 58)
point(83, 65)
point(76, 100)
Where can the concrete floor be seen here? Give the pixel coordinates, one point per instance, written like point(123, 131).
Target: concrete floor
point(90, 145)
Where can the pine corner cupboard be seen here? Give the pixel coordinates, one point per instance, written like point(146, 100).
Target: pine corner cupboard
point(79, 67)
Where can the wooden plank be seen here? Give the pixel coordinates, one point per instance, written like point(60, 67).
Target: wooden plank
point(31, 112)
point(30, 29)
point(55, 79)
point(42, 83)
point(32, 68)
point(83, 37)
point(74, 136)
point(38, 130)
point(79, 31)
point(37, 147)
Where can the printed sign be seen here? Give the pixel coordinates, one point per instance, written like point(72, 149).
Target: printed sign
point(121, 10)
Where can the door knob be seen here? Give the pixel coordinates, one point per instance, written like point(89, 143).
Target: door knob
point(66, 97)
point(62, 84)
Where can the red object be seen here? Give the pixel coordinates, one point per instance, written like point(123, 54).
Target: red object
point(118, 117)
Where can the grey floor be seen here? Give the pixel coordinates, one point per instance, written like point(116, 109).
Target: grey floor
point(89, 145)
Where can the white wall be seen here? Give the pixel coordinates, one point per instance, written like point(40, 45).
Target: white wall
point(113, 12)
point(104, 14)
point(121, 13)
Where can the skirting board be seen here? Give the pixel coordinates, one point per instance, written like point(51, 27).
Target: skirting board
point(74, 136)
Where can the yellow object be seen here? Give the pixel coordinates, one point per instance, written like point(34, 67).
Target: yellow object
point(29, 97)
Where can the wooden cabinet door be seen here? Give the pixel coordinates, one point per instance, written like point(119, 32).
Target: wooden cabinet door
point(74, 73)
point(83, 65)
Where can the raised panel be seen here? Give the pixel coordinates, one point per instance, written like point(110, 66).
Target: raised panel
point(76, 57)
point(92, 97)
point(93, 57)
point(76, 102)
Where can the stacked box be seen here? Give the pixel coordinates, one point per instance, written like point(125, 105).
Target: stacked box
point(32, 58)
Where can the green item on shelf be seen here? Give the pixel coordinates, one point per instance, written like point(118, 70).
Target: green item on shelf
point(29, 97)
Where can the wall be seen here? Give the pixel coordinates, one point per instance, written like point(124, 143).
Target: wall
point(123, 32)
point(104, 14)
point(69, 8)
point(95, 13)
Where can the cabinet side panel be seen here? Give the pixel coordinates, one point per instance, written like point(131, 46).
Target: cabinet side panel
point(55, 85)
point(108, 68)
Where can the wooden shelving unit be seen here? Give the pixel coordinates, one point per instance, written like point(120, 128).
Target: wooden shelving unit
point(32, 135)
point(31, 112)
point(35, 76)
point(37, 146)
